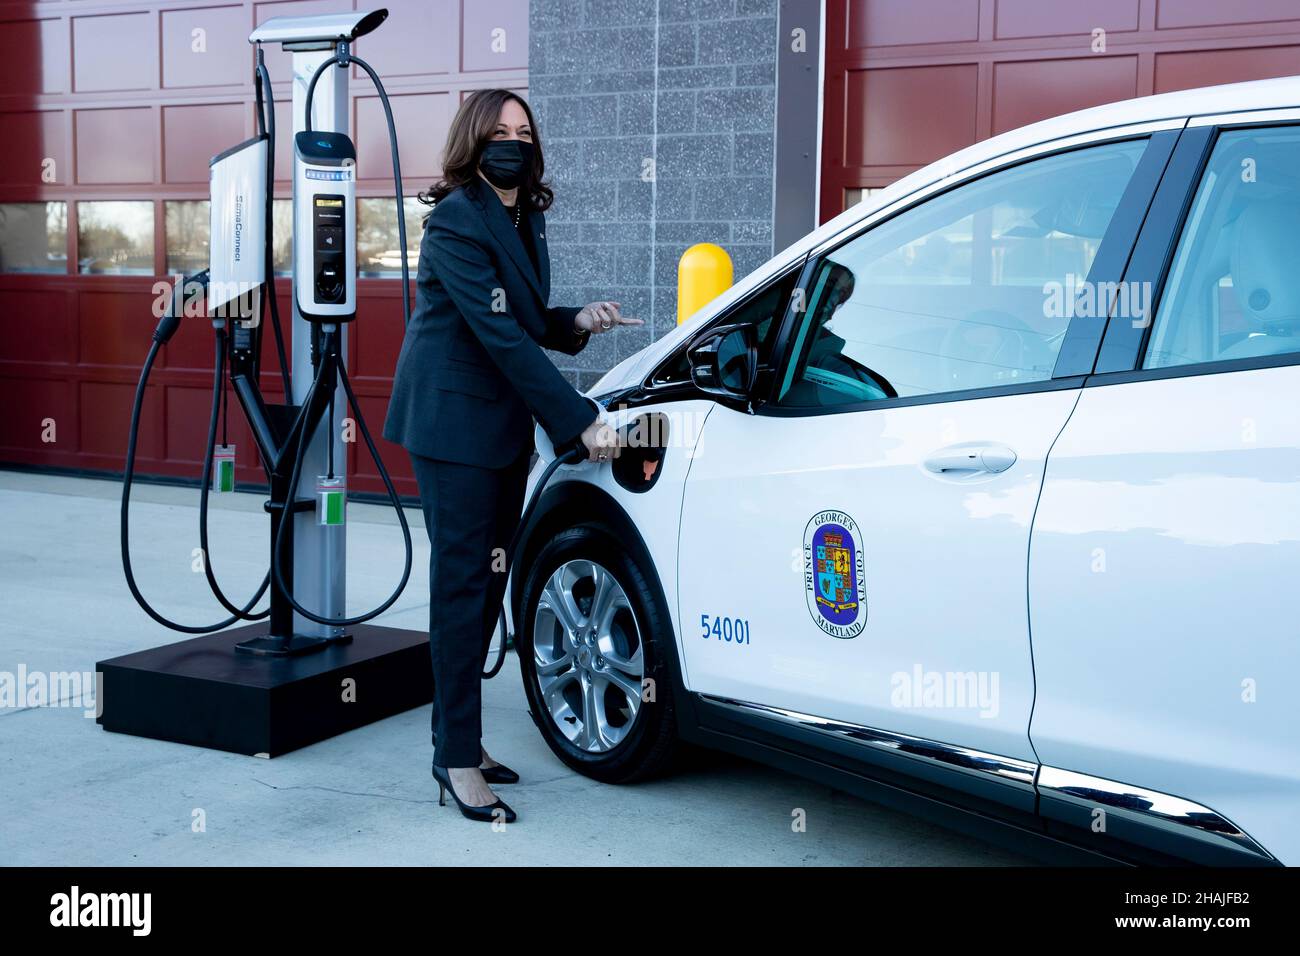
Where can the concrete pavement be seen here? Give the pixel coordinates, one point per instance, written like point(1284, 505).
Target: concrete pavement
point(75, 795)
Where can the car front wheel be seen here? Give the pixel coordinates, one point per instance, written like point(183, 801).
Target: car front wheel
point(593, 660)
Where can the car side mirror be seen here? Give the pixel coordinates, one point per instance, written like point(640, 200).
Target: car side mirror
point(725, 361)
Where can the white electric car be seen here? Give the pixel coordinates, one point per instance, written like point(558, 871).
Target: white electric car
point(981, 500)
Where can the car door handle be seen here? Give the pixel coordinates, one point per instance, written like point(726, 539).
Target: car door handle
point(970, 458)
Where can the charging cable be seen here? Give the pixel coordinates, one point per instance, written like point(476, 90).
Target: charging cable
point(266, 126)
point(205, 486)
point(570, 454)
point(331, 367)
point(166, 328)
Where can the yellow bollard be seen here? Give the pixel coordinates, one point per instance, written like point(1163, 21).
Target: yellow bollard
point(703, 274)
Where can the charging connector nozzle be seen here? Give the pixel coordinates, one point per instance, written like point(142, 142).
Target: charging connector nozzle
point(572, 453)
point(183, 293)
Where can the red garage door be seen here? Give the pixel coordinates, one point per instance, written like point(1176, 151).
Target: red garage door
point(111, 111)
point(908, 81)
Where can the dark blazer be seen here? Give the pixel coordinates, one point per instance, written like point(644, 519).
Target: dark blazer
point(471, 374)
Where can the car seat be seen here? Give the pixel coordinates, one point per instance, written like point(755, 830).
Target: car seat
point(1265, 265)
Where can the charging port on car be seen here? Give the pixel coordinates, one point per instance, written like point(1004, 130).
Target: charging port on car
point(642, 443)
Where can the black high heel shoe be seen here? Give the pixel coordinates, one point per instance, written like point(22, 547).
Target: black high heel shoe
point(500, 774)
point(487, 813)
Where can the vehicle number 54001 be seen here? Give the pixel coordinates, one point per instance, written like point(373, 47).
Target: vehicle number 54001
point(731, 630)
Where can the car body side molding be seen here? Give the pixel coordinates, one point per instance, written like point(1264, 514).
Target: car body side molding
point(1150, 808)
point(1176, 819)
point(1008, 770)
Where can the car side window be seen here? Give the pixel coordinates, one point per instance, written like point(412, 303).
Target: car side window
point(966, 290)
point(1234, 288)
point(763, 309)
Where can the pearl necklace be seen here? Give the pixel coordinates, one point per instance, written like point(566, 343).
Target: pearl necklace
point(518, 207)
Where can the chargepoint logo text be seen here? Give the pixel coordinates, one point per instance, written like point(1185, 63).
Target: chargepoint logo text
point(239, 224)
point(75, 908)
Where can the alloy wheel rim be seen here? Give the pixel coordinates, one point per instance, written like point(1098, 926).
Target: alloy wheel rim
point(587, 654)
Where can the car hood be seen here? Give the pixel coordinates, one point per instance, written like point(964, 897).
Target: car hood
point(633, 369)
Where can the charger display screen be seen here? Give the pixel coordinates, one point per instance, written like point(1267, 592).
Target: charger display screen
point(328, 224)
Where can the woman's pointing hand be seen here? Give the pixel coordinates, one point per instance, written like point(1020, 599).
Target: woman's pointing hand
point(597, 317)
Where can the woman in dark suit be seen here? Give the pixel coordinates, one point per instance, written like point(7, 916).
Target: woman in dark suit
point(470, 378)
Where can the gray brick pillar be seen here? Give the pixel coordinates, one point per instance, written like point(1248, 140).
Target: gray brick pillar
point(658, 118)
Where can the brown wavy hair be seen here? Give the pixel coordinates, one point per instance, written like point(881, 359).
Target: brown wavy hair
point(471, 130)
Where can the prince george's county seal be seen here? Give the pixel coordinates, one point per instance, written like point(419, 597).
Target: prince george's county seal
point(835, 575)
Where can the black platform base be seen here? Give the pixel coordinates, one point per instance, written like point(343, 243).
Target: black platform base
point(203, 692)
point(291, 646)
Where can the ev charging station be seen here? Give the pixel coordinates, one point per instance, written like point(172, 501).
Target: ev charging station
point(320, 550)
point(301, 670)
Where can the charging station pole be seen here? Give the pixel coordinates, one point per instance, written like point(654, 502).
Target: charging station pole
point(319, 551)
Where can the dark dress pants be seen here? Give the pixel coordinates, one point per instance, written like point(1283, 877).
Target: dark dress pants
point(470, 512)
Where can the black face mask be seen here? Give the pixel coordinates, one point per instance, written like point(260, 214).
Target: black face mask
point(506, 162)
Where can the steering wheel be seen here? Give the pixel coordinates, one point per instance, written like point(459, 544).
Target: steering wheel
point(869, 376)
point(846, 376)
point(990, 338)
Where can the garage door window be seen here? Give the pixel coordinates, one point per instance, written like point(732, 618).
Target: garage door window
point(1234, 289)
point(964, 291)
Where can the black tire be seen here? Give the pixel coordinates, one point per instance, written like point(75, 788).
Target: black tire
point(647, 747)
